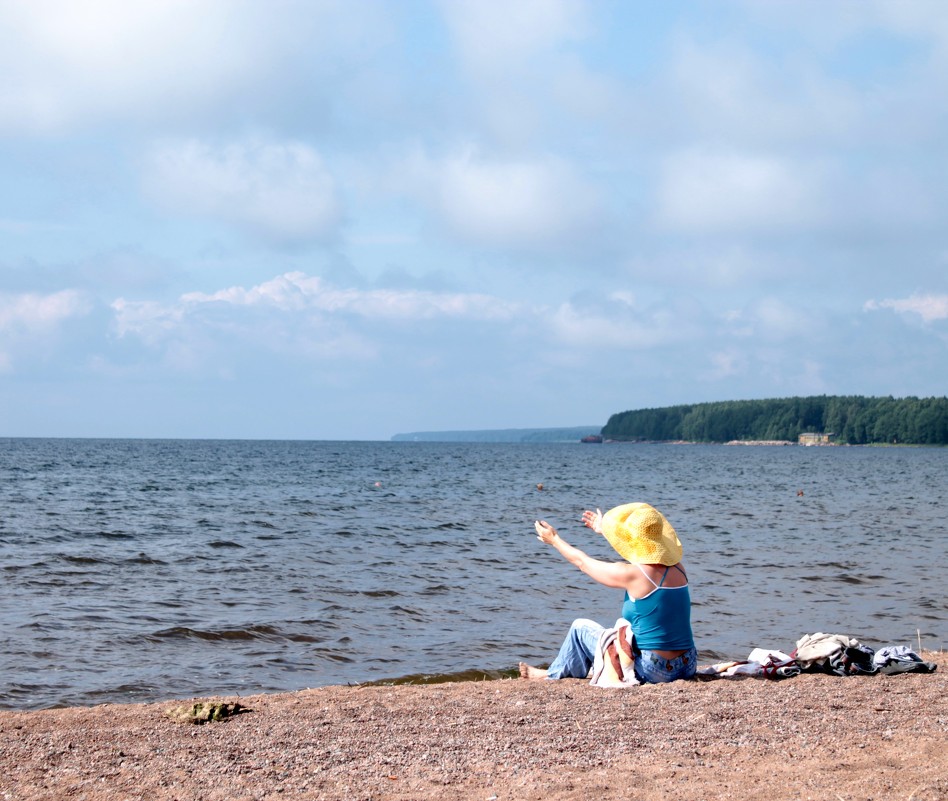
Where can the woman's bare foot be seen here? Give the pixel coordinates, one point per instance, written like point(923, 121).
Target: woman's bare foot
point(530, 672)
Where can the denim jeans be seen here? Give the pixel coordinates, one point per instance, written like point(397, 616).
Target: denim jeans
point(578, 652)
point(650, 668)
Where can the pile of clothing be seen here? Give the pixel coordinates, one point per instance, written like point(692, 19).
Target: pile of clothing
point(614, 663)
point(835, 654)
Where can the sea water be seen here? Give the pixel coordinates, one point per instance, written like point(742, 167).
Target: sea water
point(143, 570)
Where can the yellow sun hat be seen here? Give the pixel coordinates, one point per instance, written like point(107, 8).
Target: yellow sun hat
point(641, 535)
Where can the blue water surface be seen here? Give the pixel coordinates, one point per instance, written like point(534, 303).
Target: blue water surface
point(138, 570)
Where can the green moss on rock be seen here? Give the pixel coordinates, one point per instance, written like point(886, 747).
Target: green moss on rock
point(204, 712)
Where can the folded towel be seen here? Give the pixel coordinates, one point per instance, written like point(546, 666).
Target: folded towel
point(816, 648)
point(613, 665)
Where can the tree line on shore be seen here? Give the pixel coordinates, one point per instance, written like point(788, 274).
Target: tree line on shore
point(851, 420)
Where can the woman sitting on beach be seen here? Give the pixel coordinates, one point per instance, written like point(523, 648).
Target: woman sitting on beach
point(657, 600)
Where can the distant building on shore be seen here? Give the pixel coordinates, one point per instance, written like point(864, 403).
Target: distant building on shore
point(814, 438)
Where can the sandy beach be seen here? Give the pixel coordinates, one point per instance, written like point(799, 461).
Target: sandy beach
point(809, 737)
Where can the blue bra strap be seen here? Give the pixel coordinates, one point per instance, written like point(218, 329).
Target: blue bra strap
point(663, 577)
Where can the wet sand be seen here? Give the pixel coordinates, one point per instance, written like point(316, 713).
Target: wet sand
point(809, 737)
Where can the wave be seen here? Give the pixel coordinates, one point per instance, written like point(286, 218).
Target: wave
point(264, 632)
point(144, 559)
point(216, 635)
point(82, 560)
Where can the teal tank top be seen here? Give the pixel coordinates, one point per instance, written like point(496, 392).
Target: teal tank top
point(661, 621)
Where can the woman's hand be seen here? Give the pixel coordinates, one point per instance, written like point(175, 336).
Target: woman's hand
point(545, 532)
point(593, 520)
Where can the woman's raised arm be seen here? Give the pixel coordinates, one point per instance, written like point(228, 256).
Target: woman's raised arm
point(610, 574)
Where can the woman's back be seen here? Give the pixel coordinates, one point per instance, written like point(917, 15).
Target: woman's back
point(659, 608)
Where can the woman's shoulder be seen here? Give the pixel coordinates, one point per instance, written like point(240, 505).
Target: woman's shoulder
point(666, 575)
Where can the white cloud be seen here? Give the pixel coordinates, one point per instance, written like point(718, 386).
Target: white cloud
point(295, 319)
point(65, 62)
point(704, 191)
point(929, 307)
point(281, 190)
point(728, 92)
point(35, 312)
point(74, 64)
point(148, 319)
point(771, 319)
point(298, 291)
point(538, 204)
point(514, 60)
point(494, 35)
point(618, 323)
point(299, 301)
point(27, 316)
point(290, 291)
point(778, 319)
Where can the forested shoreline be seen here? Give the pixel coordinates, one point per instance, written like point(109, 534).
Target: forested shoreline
point(851, 420)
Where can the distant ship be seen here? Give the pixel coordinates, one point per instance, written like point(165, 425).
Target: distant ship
point(595, 438)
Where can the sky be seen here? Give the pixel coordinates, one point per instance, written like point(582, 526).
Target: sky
point(347, 219)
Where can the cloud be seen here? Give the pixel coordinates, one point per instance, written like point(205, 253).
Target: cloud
point(726, 91)
point(776, 319)
point(704, 191)
point(513, 61)
point(929, 307)
point(297, 291)
point(780, 122)
point(532, 204)
point(283, 191)
point(29, 316)
point(149, 320)
point(65, 62)
point(35, 312)
point(620, 321)
point(298, 301)
point(69, 66)
point(494, 35)
point(286, 325)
